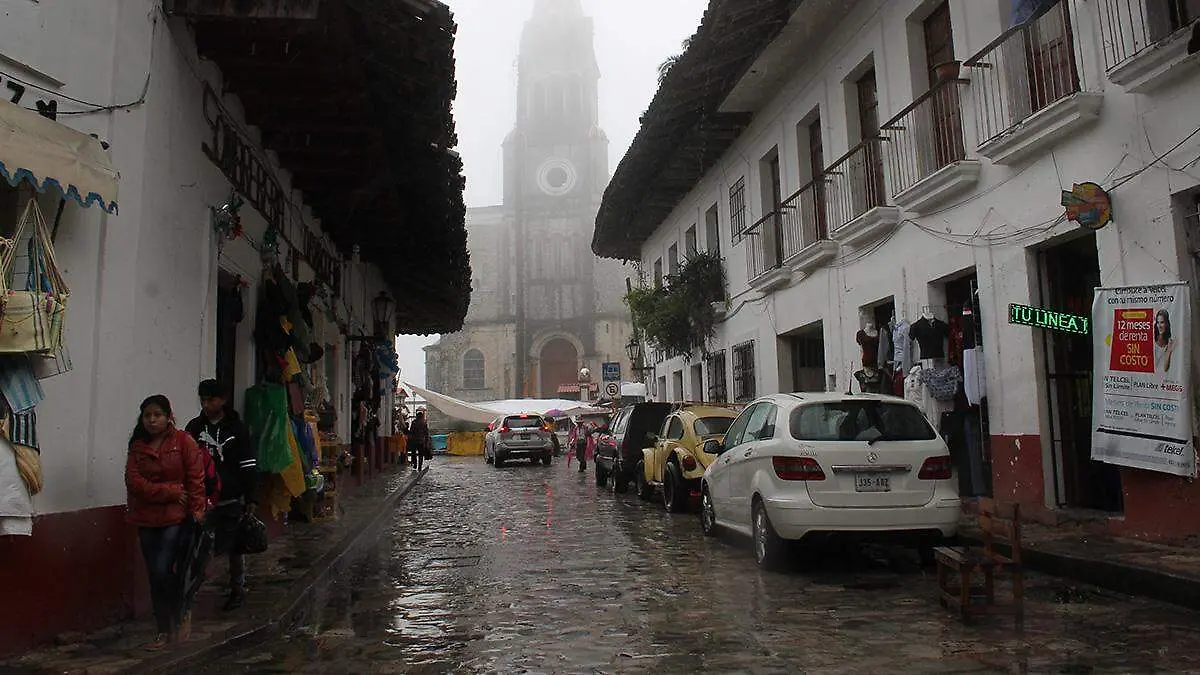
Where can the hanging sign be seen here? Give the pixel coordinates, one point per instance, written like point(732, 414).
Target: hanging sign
point(1142, 399)
point(1089, 205)
point(1048, 319)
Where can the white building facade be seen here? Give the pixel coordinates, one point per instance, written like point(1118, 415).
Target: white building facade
point(902, 159)
point(146, 313)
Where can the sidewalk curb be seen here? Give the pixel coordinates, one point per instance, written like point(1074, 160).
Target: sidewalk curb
point(1121, 577)
point(289, 610)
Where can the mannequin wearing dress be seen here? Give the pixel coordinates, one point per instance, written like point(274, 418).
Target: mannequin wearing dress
point(868, 339)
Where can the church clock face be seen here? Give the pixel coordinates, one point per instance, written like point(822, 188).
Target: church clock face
point(557, 177)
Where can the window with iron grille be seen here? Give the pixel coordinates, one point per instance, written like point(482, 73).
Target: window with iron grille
point(743, 372)
point(737, 210)
point(718, 387)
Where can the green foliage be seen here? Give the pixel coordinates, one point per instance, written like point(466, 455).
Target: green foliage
point(679, 319)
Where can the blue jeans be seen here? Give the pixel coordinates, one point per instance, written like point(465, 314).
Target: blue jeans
point(160, 547)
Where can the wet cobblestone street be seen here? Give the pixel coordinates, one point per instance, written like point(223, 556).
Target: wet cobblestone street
point(534, 569)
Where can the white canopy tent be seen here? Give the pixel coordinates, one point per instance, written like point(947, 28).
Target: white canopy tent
point(487, 412)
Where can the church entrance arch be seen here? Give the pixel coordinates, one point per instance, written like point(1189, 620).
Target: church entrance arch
point(559, 362)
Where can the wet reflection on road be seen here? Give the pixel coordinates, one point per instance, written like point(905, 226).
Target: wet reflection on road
point(531, 569)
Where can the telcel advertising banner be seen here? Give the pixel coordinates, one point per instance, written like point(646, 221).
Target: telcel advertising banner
point(1142, 410)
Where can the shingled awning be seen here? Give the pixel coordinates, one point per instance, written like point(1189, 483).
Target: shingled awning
point(684, 133)
point(354, 96)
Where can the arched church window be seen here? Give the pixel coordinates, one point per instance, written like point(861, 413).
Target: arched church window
point(473, 370)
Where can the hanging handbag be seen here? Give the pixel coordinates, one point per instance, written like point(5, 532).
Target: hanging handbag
point(32, 320)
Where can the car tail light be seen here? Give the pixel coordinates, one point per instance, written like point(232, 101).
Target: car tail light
point(936, 468)
point(547, 427)
point(504, 429)
point(797, 468)
point(689, 463)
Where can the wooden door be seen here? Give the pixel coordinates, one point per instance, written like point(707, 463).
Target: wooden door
point(1050, 58)
point(868, 178)
point(816, 163)
point(945, 107)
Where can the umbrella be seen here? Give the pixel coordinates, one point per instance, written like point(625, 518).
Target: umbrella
point(555, 413)
point(195, 548)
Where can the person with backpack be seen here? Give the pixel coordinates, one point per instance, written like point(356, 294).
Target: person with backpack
point(231, 476)
point(420, 443)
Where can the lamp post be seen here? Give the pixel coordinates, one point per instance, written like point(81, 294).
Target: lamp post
point(381, 311)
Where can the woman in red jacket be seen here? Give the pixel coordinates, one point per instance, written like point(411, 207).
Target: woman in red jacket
point(164, 475)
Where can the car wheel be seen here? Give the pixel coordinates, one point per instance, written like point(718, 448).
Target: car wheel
point(645, 490)
point(708, 514)
point(768, 547)
point(673, 501)
point(499, 462)
point(547, 459)
point(601, 476)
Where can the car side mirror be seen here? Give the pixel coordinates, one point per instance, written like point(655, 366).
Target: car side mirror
point(714, 447)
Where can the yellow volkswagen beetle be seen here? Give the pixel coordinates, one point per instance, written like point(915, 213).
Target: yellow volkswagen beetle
point(677, 461)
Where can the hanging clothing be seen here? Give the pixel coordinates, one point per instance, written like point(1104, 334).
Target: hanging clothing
point(968, 326)
point(885, 346)
point(914, 386)
point(869, 380)
point(943, 382)
point(931, 335)
point(902, 347)
point(870, 348)
point(16, 506)
point(974, 380)
point(18, 384)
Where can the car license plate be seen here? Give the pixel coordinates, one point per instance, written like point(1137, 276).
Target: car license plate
point(524, 437)
point(872, 482)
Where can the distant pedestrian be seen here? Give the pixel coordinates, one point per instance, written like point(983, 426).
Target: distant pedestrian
point(581, 445)
point(164, 476)
point(219, 431)
point(420, 443)
point(554, 436)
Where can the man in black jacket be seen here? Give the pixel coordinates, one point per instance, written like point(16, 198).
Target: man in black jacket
point(221, 431)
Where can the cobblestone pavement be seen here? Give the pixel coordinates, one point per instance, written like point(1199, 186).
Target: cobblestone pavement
point(272, 576)
point(532, 569)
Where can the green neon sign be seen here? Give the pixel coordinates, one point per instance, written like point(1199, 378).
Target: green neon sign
point(1023, 315)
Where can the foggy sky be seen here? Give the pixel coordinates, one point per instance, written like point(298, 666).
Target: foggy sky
point(632, 38)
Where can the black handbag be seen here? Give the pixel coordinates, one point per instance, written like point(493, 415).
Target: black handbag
point(251, 536)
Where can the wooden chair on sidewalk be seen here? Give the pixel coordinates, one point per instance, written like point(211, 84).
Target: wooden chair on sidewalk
point(999, 524)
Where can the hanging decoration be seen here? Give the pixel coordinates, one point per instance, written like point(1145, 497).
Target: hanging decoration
point(227, 220)
point(269, 249)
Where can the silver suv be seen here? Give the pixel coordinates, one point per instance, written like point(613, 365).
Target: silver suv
point(519, 437)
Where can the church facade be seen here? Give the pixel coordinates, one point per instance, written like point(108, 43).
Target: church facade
point(542, 305)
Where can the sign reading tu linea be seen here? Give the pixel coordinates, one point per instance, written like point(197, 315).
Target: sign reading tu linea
point(1043, 318)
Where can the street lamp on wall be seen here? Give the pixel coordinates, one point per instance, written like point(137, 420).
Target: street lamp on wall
point(381, 309)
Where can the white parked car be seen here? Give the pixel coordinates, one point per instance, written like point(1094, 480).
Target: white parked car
point(803, 465)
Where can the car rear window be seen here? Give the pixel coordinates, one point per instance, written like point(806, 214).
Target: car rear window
point(522, 422)
point(860, 421)
point(712, 426)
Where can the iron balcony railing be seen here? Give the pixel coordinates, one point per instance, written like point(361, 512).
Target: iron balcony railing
point(854, 184)
point(1027, 68)
point(763, 254)
point(926, 136)
point(1128, 27)
point(803, 218)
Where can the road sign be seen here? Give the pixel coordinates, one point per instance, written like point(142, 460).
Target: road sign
point(612, 389)
point(611, 372)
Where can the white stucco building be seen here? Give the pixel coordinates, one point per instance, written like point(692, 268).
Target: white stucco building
point(851, 173)
point(187, 101)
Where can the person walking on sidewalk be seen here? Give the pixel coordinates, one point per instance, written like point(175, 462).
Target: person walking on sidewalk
point(164, 477)
point(219, 430)
point(420, 443)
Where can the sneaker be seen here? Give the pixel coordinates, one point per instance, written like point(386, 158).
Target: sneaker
point(236, 600)
point(159, 642)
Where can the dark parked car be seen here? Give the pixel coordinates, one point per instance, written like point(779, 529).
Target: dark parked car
point(619, 448)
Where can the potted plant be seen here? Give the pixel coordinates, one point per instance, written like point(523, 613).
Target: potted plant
point(947, 70)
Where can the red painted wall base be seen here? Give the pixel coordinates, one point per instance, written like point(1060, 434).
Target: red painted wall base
point(1017, 474)
point(1157, 507)
point(78, 572)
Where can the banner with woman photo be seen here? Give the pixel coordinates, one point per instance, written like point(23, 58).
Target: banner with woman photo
point(1142, 398)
